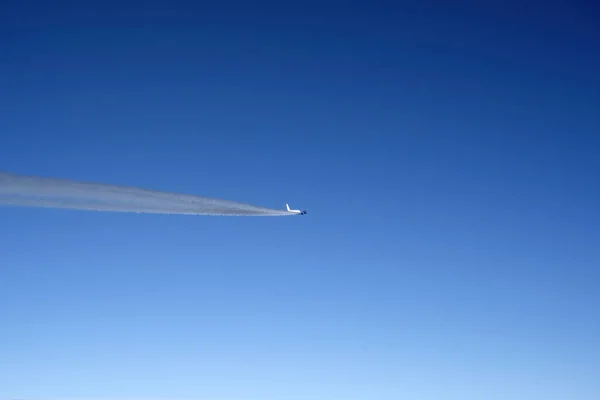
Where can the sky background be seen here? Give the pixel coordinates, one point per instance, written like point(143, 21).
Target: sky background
point(448, 157)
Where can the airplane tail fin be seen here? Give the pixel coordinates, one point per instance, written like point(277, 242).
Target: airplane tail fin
point(288, 207)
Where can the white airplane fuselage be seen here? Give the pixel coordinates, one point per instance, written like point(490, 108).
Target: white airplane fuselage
point(301, 212)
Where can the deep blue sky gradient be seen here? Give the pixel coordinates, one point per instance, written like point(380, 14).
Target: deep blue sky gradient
point(448, 156)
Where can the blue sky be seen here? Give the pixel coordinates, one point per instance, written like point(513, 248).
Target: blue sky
point(448, 157)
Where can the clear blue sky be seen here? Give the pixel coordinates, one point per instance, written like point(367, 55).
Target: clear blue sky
point(448, 157)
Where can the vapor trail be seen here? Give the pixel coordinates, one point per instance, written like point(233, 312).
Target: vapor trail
point(32, 191)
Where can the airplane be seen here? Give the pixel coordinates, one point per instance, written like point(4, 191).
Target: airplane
point(301, 212)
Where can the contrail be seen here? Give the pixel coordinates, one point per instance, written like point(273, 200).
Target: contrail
point(33, 191)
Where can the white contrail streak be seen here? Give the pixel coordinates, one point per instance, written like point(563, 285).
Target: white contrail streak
point(32, 191)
